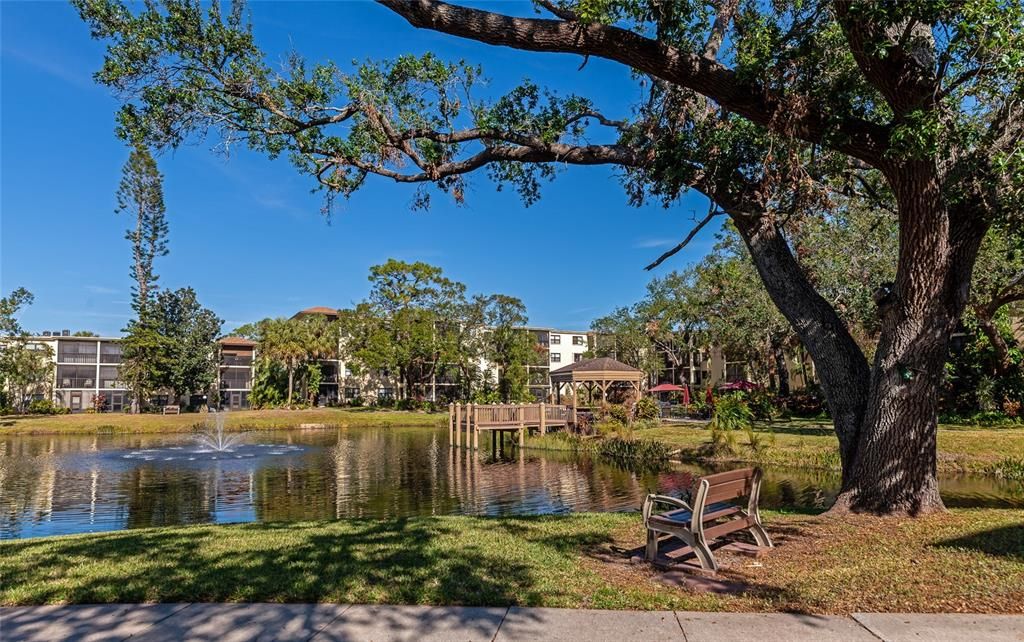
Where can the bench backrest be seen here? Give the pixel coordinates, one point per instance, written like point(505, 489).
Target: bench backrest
point(726, 487)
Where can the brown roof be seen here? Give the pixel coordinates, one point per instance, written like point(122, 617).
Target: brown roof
point(236, 341)
point(603, 364)
point(318, 310)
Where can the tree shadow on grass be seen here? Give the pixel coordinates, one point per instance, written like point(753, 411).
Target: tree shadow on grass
point(406, 561)
point(1005, 541)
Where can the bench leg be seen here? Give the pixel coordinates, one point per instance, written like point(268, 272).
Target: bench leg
point(652, 546)
point(704, 556)
point(760, 536)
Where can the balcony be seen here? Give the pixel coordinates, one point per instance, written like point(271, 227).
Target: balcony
point(75, 382)
point(235, 383)
point(235, 360)
point(76, 357)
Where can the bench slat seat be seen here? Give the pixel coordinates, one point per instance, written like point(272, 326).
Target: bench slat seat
point(699, 525)
point(683, 515)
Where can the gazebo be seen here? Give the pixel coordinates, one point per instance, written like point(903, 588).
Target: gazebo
point(601, 373)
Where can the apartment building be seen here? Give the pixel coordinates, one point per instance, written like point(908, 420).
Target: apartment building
point(556, 349)
point(235, 370)
point(86, 372)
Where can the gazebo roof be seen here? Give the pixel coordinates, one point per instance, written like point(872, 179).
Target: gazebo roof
point(599, 369)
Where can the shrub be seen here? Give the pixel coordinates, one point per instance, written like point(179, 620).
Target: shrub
point(46, 407)
point(643, 451)
point(1009, 468)
point(1012, 408)
point(607, 426)
point(806, 403)
point(731, 414)
point(647, 409)
point(764, 404)
point(616, 412)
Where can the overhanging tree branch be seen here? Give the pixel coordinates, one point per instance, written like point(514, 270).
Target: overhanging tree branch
point(859, 138)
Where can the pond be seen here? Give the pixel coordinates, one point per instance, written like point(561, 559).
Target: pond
point(61, 484)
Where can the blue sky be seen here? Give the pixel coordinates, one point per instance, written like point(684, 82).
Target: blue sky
point(248, 234)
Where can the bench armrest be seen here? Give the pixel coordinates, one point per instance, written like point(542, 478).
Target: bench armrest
point(651, 500)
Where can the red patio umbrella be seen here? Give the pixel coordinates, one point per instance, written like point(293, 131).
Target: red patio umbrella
point(667, 387)
point(686, 396)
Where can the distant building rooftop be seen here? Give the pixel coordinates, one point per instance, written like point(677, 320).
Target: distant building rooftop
point(236, 341)
point(320, 309)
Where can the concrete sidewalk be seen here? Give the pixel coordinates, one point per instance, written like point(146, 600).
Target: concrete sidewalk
point(324, 622)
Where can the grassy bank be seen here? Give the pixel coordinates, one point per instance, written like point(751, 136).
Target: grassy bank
point(963, 560)
point(809, 445)
point(240, 420)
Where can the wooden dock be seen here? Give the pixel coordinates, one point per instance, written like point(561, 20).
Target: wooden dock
point(469, 420)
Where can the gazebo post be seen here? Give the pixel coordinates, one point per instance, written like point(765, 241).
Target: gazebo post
point(575, 402)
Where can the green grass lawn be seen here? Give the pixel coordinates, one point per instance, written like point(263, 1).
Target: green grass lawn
point(814, 445)
point(239, 420)
point(964, 560)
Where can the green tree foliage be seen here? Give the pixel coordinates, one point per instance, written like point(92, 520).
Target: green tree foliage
point(190, 334)
point(9, 306)
point(997, 296)
point(626, 335)
point(287, 341)
point(777, 112)
point(141, 196)
point(172, 347)
point(508, 345)
point(26, 367)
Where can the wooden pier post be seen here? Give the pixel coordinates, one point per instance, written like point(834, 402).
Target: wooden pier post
point(543, 420)
point(476, 430)
point(469, 425)
point(451, 424)
point(458, 426)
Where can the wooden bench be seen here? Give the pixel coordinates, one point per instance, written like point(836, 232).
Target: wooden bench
point(172, 410)
point(712, 515)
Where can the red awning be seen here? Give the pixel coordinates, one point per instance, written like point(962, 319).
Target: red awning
point(666, 387)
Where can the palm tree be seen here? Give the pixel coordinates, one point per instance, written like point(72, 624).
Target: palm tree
point(287, 341)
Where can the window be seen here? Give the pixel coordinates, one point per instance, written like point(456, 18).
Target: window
point(577, 340)
point(110, 352)
point(234, 379)
point(577, 357)
point(556, 357)
point(76, 352)
point(76, 376)
point(556, 339)
point(386, 394)
point(351, 392)
point(110, 377)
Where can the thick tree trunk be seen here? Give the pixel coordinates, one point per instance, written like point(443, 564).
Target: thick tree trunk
point(781, 367)
point(841, 366)
point(895, 466)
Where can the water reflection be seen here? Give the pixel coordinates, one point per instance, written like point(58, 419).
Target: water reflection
point(68, 484)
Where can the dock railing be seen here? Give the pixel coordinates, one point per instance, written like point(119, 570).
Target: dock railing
point(472, 418)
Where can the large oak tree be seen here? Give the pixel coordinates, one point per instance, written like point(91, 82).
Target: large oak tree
point(773, 110)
